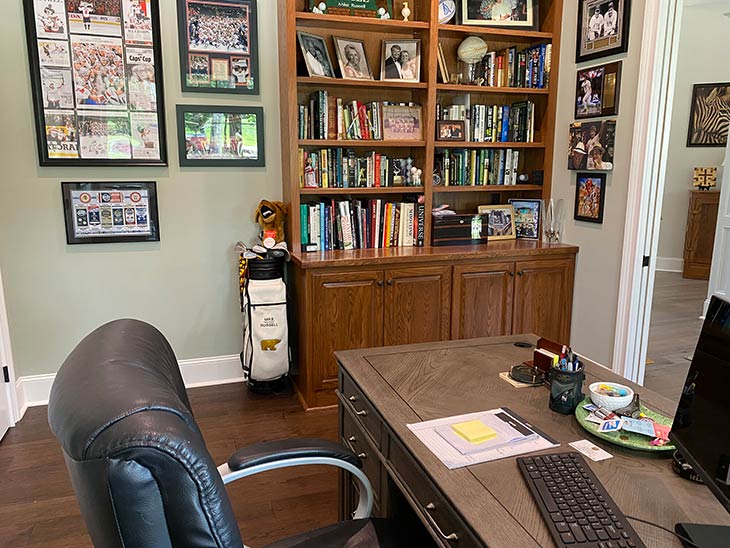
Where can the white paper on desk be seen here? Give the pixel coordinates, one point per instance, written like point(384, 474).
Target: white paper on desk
point(453, 458)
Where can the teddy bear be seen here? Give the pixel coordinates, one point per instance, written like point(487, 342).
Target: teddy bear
point(271, 216)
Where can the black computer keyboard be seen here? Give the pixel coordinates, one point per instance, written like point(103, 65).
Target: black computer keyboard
point(575, 506)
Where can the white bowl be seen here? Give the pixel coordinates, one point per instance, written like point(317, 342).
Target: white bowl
point(610, 402)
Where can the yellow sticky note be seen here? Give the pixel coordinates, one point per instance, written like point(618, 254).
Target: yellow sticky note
point(474, 431)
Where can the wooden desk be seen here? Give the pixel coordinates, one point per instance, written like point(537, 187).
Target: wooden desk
point(384, 389)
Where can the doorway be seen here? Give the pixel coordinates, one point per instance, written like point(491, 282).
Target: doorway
point(7, 378)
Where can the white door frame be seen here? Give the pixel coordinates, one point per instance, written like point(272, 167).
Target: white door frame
point(6, 357)
point(659, 47)
point(718, 282)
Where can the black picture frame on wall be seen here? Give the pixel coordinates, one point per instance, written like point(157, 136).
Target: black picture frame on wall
point(219, 55)
point(602, 36)
point(119, 121)
point(708, 116)
point(590, 197)
point(597, 91)
point(213, 136)
point(110, 212)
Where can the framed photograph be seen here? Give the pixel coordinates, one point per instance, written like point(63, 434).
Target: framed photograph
point(96, 77)
point(603, 28)
point(218, 46)
point(527, 217)
point(382, 9)
point(709, 116)
point(316, 55)
point(501, 224)
point(220, 136)
point(597, 90)
point(504, 14)
point(352, 59)
point(450, 130)
point(591, 145)
point(102, 213)
point(590, 197)
point(401, 60)
point(402, 123)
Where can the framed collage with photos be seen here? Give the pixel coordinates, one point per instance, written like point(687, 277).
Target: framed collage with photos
point(218, 46)
point(96, 76)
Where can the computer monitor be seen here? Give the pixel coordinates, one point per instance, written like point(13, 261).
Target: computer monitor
point(700, 430)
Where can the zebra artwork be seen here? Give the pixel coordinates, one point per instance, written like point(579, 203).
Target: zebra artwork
point(710, 115)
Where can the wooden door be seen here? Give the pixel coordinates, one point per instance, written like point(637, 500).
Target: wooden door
point(347, 313)
point(700, 237)
point(481, 301)
point(543, 298)
point(417, 305)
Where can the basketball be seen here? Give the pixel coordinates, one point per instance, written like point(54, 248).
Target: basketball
point(472, 49)
point(447, 10)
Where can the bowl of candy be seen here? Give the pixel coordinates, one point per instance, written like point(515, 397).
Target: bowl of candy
point(610, 395)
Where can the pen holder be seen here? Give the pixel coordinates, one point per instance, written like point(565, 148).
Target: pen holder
point(566, 389)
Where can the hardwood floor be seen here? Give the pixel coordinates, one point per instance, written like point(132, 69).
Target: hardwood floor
point(675, 327)
point(38, 507)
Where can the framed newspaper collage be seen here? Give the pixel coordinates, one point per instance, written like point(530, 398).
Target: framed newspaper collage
point(97, 81)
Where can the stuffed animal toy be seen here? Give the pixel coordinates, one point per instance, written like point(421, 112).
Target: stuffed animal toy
point(271, 216)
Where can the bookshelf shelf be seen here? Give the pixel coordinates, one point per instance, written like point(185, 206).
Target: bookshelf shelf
point(471, 144)
point(340, 82)
point(491, 89)
point(485, 188)
point(306, 19)
point(351, 143)
point(503, 34)
point(356, 190)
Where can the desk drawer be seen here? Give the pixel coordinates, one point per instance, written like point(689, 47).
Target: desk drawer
point(443, 520)
point(358, 404)
point(354, 437)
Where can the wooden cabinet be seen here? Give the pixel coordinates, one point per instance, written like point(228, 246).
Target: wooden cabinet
point(482, 300)
point(700, 238)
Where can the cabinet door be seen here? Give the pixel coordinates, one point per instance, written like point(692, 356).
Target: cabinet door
point(417, 305)
point(544, 298)
point(700, 238)
point(347, 313)
point(482, 300)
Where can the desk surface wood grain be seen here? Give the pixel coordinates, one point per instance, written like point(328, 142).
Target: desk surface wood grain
point(415, 383)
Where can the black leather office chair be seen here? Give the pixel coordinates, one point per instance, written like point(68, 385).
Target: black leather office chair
point(138, 463)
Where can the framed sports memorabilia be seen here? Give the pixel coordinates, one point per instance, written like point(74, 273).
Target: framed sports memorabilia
point(527, 217)
point(218, 46)
point(220, 136)
point(709, 117)
point(590, 197)
point(501, 14)
point(381, 9)
point(96, 76)
point(102, 213)
point(597, 91)
point(603, 28)
point(591, 145)
point(402, 123)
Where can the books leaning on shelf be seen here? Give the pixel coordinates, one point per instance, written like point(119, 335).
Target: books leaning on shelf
point(482, 167)
point(341, 168)
point(529, 68)
point(493, 123)
point(361, 224)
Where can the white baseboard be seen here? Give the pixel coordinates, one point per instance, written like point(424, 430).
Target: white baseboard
point(669, 264)
point(34, 390)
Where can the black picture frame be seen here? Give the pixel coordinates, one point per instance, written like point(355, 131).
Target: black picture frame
point(464, 17)
point(583, 178)
point(614, 44)
point(704, 97)
point(603, 83)
point(442, 125)
point(524, 232)
point(105, 198)
point(219, 57)
point(68, 152)
point(187, 161)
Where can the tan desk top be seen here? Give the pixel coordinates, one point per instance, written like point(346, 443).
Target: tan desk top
point(414, 383)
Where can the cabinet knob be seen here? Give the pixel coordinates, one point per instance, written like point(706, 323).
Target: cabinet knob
point(352, 439)
point(521, 273)
point(363, 455)
point(511, 274)
point(379, 283)
point(389, 282)
point(352, 398)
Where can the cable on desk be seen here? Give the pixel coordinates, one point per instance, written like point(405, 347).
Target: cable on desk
point(680, 537)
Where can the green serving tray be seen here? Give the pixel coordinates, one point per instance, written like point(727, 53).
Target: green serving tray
point(622, 438)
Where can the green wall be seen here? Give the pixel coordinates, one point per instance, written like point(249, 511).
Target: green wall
point(186, 284)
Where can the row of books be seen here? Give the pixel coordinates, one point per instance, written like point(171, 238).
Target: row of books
point(493, 123)
point(361, 224)
point(470, 167)
point(341, 168)
point(529, 68)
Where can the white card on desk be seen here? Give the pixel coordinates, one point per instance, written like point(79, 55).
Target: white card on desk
point(591, 451)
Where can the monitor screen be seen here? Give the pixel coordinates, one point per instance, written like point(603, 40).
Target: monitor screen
point(701, 429)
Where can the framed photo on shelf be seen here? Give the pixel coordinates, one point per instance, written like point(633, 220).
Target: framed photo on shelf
point(597, 91)
point(528, 221)
point(591, 145)
point(220, 136)
point(401, 60)
point(316, 55)
point(218, 46)
point(501, 224)
point(352, 59)
point(709, 116)
point(450, 130)
point(603, 28)
point(590, 197)
point(100, 213)
point(402, 123)
point(382, 9)
point(81, 118)
point(503, 14)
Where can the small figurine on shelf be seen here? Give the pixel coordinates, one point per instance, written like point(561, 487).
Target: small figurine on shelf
point(406, 11)
point(383, 13)
point(416, 176)
point(320, 8)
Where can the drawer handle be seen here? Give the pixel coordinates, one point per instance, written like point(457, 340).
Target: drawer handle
point(452, 536)
point(352, 398)
point(362, 413)
point(352, 439)
point(363, 455)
